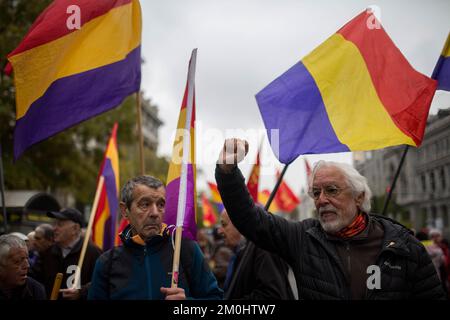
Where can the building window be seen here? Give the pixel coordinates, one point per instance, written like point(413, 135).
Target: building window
point(424, 182)
point(443, 179)
point(432, 181)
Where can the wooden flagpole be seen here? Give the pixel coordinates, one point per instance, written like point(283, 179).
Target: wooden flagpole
point(87, 236)
point(182, 193)
point(56, 286)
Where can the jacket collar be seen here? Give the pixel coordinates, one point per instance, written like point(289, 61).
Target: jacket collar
point(137, 242)
point(394, 239)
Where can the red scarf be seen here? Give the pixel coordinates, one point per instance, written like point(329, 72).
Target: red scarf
point(354, 228)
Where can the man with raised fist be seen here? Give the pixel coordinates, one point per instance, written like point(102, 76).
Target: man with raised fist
point(347, 252)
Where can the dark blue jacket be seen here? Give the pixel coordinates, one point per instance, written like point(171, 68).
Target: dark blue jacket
point(137, 272)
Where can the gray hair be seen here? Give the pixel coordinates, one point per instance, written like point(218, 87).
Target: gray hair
point(126, 195)
point(354, 179)
point(47, 230)
point(8, 241)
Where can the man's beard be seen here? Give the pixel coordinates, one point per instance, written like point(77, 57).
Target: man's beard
point(338, 223)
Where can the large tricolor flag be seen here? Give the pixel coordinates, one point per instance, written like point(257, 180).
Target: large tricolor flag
point(442, 70)
point(356, 91)
point(181, 190)
point(65, 75)
point(104, 228)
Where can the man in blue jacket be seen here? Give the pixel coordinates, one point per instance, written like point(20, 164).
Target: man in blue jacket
point(141, 268)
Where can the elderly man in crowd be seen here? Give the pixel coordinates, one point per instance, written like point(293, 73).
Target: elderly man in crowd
point(14, 265)
point(255, 275)
point(43, 237)
point(142, 267)
point(347, 253)
point(63, 255)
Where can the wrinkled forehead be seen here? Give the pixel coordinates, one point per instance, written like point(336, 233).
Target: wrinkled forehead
point(15, 252)
point(142, 191)
point(329, 175)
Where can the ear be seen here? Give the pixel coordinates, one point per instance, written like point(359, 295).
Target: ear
point(123, 210)
point(360, 199)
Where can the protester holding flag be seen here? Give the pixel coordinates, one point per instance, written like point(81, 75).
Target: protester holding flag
point(347, 253)
point(262, 276)
point(63, 256)
point(141, 267)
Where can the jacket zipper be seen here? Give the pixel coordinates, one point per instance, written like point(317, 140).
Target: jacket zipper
point(148, 273)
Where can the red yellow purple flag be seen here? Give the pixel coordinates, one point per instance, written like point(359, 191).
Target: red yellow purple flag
point(65, 74)
point(181, 190)
point(355, 91)
point(215, 196)
point(105, 220)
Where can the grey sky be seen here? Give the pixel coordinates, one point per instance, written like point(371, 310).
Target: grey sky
point(243, 45)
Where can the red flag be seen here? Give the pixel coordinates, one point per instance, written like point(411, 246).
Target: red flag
point(253, 180)
point(209, 216)
point(285, 198)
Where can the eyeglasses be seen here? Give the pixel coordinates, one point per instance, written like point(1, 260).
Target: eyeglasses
point(330, 191)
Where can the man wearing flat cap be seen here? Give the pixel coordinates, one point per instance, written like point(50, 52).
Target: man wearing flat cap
point(62, 257)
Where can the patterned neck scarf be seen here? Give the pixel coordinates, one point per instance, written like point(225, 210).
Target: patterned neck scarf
point(354, 228)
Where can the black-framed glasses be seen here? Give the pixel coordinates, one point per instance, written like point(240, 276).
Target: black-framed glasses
point(330, 191)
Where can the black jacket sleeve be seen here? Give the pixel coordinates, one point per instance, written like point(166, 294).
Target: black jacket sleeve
point(267, 231)
point(270, 278)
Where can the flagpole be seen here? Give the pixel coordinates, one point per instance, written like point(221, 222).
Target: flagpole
point(2, 189)
point(140, 136)
point(88, 232)
point(399, 168)
point(250, 246)
point(184, 171)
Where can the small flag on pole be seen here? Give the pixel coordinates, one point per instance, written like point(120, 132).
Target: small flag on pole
point(181, 190)
point(253, 180)
point(442, 70)
point(215, 197)
point(66, 73)
point(356, 91)
point(104, 227)
point(285, 198)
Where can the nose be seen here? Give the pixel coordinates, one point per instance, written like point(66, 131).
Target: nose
point(153, 210)
point(322, 200)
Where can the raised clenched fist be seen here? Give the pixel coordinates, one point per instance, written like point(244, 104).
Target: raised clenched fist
point(234, 151)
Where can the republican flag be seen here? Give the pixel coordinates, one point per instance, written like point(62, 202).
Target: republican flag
point(64, 75)
point(209, 215)
point(105, 221)
point(181, 192)
point(215, 196)
point(442, 70)
point(355, 91)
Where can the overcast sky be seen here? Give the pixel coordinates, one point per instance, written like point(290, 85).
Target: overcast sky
point(243, 45)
